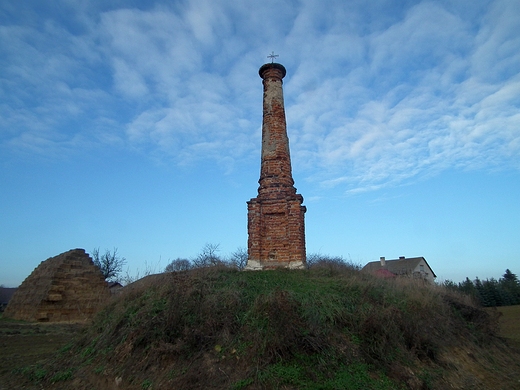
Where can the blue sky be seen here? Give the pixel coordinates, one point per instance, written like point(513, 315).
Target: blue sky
point(137, 124)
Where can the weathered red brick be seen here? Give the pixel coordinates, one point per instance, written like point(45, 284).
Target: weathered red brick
point(276, 224)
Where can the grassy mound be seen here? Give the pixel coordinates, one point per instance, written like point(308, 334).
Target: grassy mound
point(325, 328)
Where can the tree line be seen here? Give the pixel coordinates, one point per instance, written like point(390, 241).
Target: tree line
point(490, 292)
point(209, 257)
point(111, 263)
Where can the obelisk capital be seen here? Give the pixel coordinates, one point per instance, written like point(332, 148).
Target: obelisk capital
point(273, 69)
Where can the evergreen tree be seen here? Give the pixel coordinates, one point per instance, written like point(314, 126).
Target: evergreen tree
point(450, 285)
point(510, 277)
point(468, 287)
point(491, 292)
point(511, 287)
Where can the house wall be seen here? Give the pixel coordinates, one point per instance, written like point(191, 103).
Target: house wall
point(425, 272)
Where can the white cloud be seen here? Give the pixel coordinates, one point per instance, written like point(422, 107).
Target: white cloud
point(128, 81)
point(414, 106)
point(374, 95)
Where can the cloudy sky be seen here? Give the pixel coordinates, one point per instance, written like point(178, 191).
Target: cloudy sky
point(137, 124)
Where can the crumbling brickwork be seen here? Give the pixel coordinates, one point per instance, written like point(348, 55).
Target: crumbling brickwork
point(68, 287)
point(276, 226)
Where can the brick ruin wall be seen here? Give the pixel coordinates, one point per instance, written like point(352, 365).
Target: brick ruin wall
point(68, 287)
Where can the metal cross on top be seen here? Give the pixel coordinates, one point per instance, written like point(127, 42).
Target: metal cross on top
point(272, 56)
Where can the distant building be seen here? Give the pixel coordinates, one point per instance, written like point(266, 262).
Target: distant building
point(412, 267)
point(114, 287)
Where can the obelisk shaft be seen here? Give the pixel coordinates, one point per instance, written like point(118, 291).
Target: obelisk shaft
point(275, 174)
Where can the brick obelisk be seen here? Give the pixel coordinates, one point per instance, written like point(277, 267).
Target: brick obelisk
point(275, 219)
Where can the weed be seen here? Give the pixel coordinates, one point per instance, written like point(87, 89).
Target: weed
point(33, 373)
point(359, 377)
point(283, 374)
point(242, 384)
point(90, 350)
point(428, 378)
point(66, 348)
point(61, 376)
point(302, 376)
point(147, 384)
point(177, 372)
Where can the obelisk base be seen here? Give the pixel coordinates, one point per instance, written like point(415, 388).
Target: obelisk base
point(276, 233)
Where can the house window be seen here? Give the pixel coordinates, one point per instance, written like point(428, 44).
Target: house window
point(421, 268)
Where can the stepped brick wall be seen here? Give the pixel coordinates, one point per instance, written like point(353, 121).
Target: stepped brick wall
point(276, 226)
point(68, 287)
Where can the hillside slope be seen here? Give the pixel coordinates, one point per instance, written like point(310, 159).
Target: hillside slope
point(325, 328)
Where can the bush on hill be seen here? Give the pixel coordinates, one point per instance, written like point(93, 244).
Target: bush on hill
point(209, 257)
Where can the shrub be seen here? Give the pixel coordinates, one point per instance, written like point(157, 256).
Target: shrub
point(178, 265)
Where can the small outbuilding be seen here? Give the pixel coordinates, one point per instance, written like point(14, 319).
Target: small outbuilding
point(412, 267)
point(68, 287)
point(114, 287)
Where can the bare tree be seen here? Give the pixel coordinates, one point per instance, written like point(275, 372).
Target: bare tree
point(110, 263)
point(178, 265)
point(239, 258)
point(208, 257)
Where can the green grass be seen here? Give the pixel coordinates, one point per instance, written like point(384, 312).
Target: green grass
point(35, 373)
point(301, 376)
point(61, 376)
point(510, 323)
point(319, 329)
